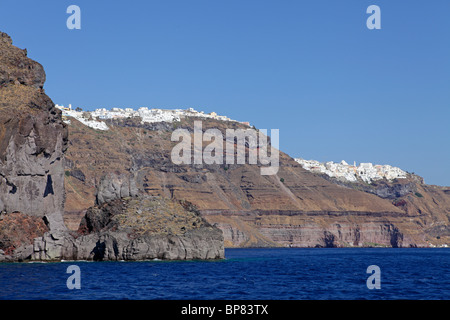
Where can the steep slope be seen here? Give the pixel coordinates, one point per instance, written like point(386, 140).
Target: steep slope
point(293, 208)
point(138, 148)
point(33, 139)
point(428, 205)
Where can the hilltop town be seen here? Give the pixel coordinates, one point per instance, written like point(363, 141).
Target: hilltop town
point(366, 172)
point(95, 119)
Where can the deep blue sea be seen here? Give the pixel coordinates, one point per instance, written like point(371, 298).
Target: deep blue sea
point(245, 274)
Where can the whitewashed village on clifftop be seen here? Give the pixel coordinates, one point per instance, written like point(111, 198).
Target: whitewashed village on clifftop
point(93, 119)
point(366, 172)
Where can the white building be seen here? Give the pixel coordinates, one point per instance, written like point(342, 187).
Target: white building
point(147, 115)
point(367, 172)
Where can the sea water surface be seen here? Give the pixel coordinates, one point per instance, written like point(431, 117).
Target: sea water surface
point(245, 274)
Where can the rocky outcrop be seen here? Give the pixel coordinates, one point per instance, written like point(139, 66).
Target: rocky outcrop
point(17, 231)
point(15, 68)
point(33, 137)
point(204, 244)
point(135, 229)
point(115, 186)
point(383, 189)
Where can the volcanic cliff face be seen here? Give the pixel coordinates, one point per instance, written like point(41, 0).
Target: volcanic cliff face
point(146, 227)
point(135, 228)
point(33, 137)
point(292, 208)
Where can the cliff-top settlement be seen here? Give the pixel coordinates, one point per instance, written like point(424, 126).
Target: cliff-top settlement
point(94, 119)
point(366, 172)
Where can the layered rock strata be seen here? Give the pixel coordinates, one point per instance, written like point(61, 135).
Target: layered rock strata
point(248, 207)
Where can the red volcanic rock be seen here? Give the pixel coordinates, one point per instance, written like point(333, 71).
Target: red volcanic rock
point(16, 68)
point(19, 229)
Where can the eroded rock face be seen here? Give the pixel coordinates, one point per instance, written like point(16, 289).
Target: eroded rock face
point(15, 67)
point(129, 229)
point(17, 231)
point(294, 208)
point(365, 234)
point(205, 244)
point(33, 137)
point(115, 186)
point(306, 230)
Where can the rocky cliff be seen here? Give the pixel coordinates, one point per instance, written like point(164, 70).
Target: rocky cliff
point(33, 139)
point(293, 208)
point(135, 228)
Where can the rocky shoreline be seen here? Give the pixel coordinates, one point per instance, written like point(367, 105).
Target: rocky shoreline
point(102, 237)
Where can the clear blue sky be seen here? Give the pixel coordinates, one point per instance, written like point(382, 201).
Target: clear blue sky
point(334, 88)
